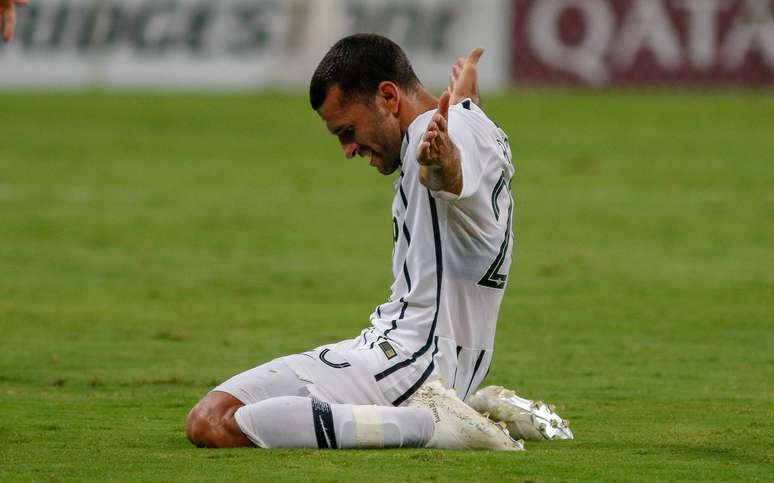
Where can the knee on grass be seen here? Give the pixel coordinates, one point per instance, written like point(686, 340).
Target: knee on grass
point(211, 423)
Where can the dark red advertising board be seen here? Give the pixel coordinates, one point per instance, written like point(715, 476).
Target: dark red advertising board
point(629, 42)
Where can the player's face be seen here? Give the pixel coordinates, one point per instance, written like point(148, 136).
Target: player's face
point(365, 129)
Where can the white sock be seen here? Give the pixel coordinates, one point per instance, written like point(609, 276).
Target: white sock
point(302, 422)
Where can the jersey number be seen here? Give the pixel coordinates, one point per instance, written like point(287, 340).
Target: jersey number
point(492, 278)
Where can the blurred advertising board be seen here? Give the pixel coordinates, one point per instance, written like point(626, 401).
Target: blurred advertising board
point(602, 42)
point(226, 44)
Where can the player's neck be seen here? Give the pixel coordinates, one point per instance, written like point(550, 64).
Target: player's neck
point(413, 104)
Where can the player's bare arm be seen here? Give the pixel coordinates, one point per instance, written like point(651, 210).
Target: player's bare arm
point(438, 157)
point(8, 16)
point(463, 80)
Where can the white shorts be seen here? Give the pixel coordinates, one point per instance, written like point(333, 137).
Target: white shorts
point(341, 373)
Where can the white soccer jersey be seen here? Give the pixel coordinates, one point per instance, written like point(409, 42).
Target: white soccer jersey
point(450, 262)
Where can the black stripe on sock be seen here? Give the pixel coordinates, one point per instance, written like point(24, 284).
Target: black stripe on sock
point(323, 424)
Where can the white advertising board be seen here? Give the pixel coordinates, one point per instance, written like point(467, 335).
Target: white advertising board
point(228, 44)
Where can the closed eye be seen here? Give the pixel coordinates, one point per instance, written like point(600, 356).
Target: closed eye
point(347, 135)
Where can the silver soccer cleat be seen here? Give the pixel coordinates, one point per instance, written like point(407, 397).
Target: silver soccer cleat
point(457, 425)
point(525, 419)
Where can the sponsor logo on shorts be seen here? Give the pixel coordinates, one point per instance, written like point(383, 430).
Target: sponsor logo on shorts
point(387, 349)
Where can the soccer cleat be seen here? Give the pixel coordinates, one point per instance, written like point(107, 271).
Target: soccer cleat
point(457, 425)
point(529, 420)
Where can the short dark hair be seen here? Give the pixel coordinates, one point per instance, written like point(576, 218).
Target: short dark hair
point(358, 64)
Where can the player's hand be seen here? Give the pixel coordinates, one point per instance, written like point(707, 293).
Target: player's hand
point(8, 16)
point(438, 158)
point(435, 143)
point(463, 80)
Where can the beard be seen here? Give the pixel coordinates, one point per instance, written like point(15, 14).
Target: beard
point(391, 140)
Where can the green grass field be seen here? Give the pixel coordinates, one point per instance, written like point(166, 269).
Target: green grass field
point(154, 245)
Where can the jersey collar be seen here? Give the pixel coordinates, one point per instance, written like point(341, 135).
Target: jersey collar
point(404, 146)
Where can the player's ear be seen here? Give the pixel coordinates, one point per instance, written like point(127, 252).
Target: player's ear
point(388, 95)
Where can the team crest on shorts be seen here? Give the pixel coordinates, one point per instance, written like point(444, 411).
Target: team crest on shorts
point(387, 349)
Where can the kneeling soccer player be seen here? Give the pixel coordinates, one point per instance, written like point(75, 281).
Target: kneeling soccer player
point(403, 380)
